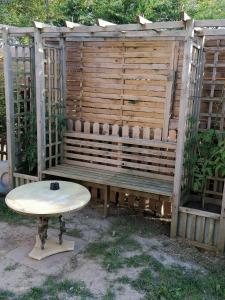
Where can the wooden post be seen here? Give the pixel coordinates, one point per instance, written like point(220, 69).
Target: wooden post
point(9, 105)
point(63, 58)
point(181, 125)
point(221, 239)
point(40, 100)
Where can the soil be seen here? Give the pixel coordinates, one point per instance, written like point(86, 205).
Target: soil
point(19, 273)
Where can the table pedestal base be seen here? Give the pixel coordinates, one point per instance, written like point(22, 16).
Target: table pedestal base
point(52, 246)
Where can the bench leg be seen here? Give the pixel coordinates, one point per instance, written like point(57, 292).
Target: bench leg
point(106, 200)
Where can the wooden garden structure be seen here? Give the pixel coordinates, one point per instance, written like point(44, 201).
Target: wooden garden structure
point(107, 105)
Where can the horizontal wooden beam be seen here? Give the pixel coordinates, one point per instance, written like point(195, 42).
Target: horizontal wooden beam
point(210, 23)
point(116, 28)
point(210, 31)
point(198, 212)
point(21, 30)
point(121, 34)
point(104, 23)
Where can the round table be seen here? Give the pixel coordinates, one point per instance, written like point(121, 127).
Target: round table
point(43, 200)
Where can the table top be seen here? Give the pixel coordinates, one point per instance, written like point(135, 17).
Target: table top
point(37, 198)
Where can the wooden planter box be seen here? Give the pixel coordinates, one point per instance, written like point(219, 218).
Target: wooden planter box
point(199, 227)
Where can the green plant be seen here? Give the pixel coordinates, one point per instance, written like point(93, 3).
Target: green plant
point(204, 155)
point(29, 144)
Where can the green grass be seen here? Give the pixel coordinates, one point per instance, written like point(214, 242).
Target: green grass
point(111, 252)
point(9, 216)
point(51, 289)
point(6, 295)
point(11, 267)
point(157, 281)
point(110, 295)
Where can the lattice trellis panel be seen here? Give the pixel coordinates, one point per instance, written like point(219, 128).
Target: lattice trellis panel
point(54, 104)
point(22, 53)
point(193, 103)
point(213, 96)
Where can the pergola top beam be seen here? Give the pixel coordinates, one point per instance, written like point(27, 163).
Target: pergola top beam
point(117, 28)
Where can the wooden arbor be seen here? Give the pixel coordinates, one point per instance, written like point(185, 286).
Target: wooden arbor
point(128, 88)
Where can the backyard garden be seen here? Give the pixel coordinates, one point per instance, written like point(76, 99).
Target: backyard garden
point(112, 150)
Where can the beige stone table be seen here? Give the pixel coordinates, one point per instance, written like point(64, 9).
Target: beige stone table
point(45, 199)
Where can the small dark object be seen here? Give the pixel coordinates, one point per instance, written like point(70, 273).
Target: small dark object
point(54, 186)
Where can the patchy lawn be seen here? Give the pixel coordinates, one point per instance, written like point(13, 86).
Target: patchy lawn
point(121, 257)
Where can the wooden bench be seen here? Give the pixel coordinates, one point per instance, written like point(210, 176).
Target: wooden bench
point(126, 157)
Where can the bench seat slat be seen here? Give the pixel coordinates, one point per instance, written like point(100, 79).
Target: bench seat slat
point(126, 181)
point(119, 170)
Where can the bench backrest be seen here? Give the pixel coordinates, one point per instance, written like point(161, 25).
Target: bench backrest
point(126, 149)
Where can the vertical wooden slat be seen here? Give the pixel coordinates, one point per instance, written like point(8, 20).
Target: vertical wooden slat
point(9, 106)
point(48, 62)
point(184, 97)
point(40, 100)
point(158, 134)
point(193, 227)
point(146, 133)
point(170, 88)
point(202, 230)
point(78, 126)
point(213, 85)
point(221, 240)
point(183, 224)
point(211, 231)
point(125, 131)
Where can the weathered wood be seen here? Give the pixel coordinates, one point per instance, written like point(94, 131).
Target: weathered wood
point(185, 17)
point(72, 24)
point(221, 239)
point(125, 27)
point(40, 100)
point(169, 90)
point(41, 25)
point(181, 125)
point(122, 180)
point(9, 102)
point(104, 23)
point(143, 20)
point(198, 212)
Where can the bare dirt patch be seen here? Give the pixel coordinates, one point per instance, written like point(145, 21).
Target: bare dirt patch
point(119, 257)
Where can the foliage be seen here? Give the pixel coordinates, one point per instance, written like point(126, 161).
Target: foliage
point(28, 144)
point(23, 12)
point(204, 155)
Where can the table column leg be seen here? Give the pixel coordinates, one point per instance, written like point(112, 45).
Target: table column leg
point(42, 230)
point(62, 229)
